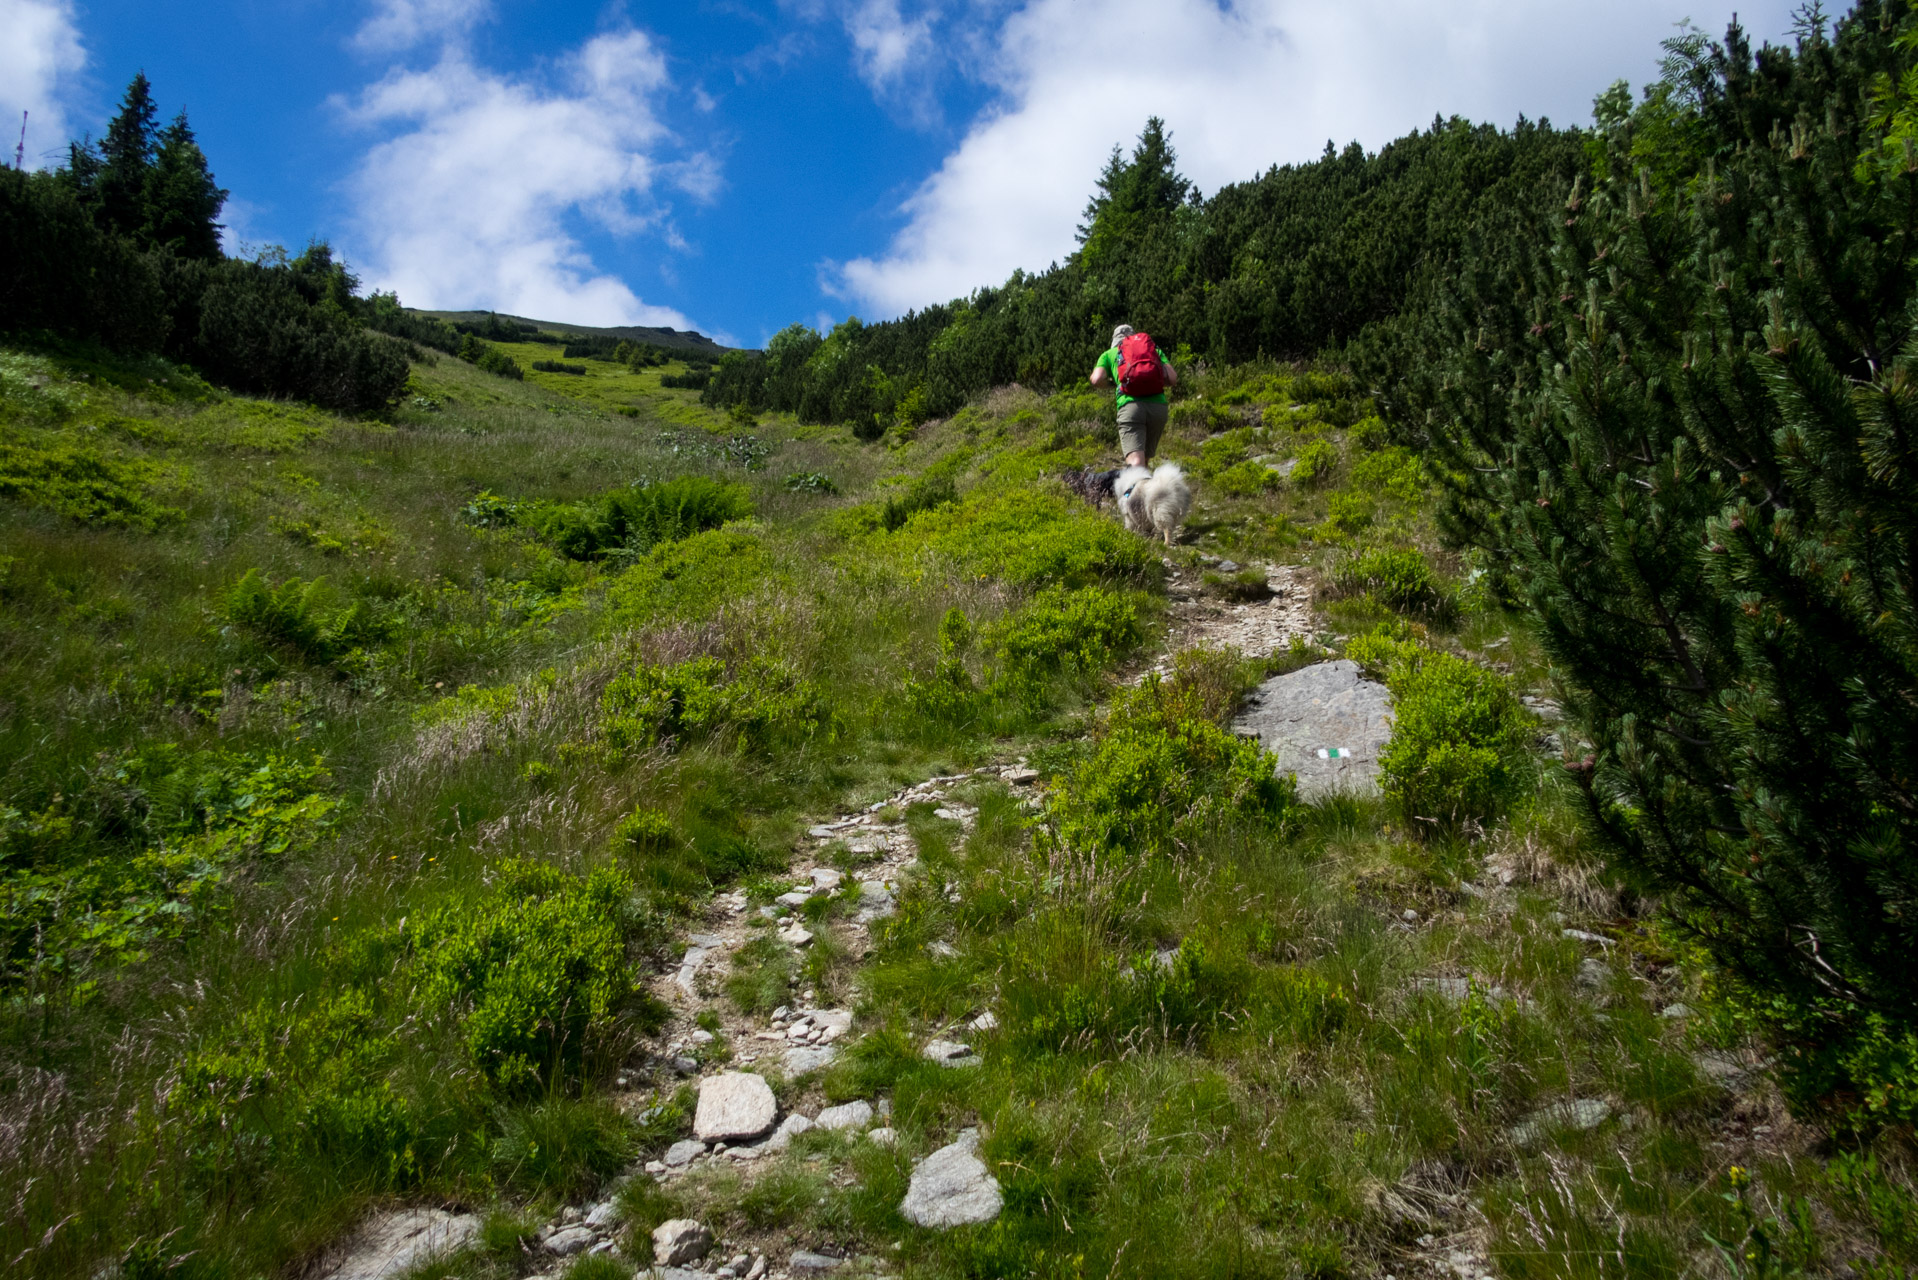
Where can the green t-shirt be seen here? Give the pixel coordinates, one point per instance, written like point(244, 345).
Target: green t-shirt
point(1109, 361)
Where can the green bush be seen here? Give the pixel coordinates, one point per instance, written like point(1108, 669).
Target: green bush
point(1031, 538)
point(489, 359)
point(556, 366)
point(1397, 577)
point(1247, 479)
point(532, 973)
point(83, 484)
point(1314, 463)
point(645, 831)
point(627, 523)
point(690, 580)
point(761, 702)
point(1160, 772)
point(1062, 632)
point(926, 494)
point(1457, 740)
point(252, 327)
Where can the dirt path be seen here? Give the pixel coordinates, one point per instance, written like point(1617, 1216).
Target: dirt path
point(866, 855)
point(1255, 628)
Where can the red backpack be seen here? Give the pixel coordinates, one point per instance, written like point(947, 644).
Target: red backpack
point(1140, 373)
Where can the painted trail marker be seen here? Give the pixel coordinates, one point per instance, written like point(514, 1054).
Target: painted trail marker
point(1335, 753)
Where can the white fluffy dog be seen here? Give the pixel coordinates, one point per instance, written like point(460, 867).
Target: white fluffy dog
point(1154, 503)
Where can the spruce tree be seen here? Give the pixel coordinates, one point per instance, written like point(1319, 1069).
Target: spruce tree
point(182, 201)
point(126, 155)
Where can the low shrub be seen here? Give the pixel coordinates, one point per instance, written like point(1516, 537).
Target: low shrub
point(1457, 739)
point(1061, 633)
point(645, 831)
point(533, 973)
point(692, 579)
point(761, 703)
point(627, 523)
point(1314, 463)
point(1247, 479)
point(556, 366)
point(83, 484)
point(1031, 538)
point(1397, 577)
point(928, 493)
point(489, 358)
point(1161, 771)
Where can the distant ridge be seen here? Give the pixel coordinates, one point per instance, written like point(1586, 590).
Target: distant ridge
point(684, 340)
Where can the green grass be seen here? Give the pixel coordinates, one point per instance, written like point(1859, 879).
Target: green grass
point(341, 820)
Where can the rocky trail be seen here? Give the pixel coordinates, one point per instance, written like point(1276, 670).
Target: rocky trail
point(854, 865)
point(1326, 723)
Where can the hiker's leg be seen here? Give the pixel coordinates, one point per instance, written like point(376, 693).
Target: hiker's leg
point(1134, 442)
point(1154, 414)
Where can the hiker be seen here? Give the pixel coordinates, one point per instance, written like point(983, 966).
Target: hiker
point(1139, 371)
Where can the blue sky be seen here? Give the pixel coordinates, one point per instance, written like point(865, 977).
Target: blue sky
point(736, 165)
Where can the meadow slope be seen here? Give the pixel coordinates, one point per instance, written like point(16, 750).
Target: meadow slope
point(362, 782)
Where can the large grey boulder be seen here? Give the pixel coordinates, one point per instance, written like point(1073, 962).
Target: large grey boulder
point(952, 1187)
point(734, 1105)
point(392, 1243)
point(1327, 725)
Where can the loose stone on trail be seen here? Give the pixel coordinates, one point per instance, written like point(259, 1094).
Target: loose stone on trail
point(850, 1115)
point(952, 1187)
point(391, 1244)
point(1580, 1113)
point(1294, 716)
point(680, 1240)
point(949, 1054)
point(800, 1061)
point(734, 1105)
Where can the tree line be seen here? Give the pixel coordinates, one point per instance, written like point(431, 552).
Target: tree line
point(1298, 261)
point(121, 246)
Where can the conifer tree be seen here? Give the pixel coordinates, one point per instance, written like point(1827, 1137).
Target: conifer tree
point(126, 156)
point(182, 201)
point(1685, 422)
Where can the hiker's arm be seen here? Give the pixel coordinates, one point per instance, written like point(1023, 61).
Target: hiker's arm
point(1171, 374)
point(1099, 378)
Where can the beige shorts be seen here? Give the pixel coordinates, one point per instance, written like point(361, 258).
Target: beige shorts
point(1141, 426)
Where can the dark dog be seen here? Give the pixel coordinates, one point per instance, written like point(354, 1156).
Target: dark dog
point(1094, 486)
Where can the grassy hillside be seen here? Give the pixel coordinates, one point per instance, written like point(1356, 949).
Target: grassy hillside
point(359, 778)
point(688, 340)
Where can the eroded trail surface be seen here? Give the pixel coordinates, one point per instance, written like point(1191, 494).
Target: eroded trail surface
point(847, 874)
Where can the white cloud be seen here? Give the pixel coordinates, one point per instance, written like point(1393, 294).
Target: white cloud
point(467, 205)
point(403, 24)
point(41, 49)
point(885, 45)
point(1242, 84)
